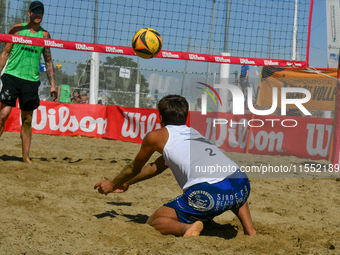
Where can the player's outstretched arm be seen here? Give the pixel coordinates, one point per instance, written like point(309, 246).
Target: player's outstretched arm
point(150, 144)
point(148, 171)
point(108, 186)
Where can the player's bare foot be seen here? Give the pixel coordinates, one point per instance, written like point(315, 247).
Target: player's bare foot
point(195, 229)
point(27, 160)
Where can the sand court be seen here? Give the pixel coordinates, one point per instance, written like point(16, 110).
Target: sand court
point(50, 206)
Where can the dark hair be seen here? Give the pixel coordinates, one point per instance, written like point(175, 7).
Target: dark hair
point(64, 80)
point(173, 109)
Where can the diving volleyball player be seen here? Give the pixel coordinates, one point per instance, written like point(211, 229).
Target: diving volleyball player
point(184, 149)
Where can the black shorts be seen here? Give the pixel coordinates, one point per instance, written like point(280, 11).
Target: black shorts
point(26, 91)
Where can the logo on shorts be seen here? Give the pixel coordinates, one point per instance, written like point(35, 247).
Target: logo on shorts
point(201, 200)
point(6, 95)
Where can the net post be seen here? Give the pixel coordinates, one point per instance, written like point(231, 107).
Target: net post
point(336, 127)
point(137, 95)
point(224, 79)
point(295, 31)
point(309, 31)
point(94, 78)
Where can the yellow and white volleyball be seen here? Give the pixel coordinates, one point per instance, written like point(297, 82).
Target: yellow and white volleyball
point(59, 66)
point(147, 43)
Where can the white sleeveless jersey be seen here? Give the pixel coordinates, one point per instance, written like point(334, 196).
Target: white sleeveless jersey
point(194, 159)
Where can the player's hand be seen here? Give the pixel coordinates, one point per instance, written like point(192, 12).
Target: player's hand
point(54, 94)
point(104, 187)
point(122, 188)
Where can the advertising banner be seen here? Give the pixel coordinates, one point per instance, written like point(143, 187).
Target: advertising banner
point(269, 135)
point(321, 83)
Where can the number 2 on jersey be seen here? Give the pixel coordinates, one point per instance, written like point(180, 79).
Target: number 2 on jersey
point(211, 153)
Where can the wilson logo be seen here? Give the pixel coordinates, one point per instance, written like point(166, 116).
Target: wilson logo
point(137, 125)
point(222, 60)
point(113, 50)
point(21, 40)
point(316, 143)
point(83, 47)
point(64, 121)
point(195, 57)
point(237, 135)
point(247, 61)
point(270, 63)
point(53, 44)
point(169, 55)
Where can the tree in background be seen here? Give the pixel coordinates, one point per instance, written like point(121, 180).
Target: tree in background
point(83, 75)
point(109, 80)
point(3, 21)
point(2, 16)
point(21, 14)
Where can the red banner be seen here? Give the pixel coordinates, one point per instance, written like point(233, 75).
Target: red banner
point(335, 159)
point(270, 135)
point(69, 45)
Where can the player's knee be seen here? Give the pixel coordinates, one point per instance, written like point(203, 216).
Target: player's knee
point(4, 114)
point(150, 220)
point(27, 121)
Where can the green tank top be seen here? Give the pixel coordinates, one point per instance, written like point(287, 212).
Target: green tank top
point(25, 59)
point(65, 94)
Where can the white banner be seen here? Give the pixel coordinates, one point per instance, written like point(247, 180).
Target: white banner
point(125, 73)
point(333, 32)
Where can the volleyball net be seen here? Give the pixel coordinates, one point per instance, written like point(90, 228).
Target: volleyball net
point(194, 34)
point(256, 29)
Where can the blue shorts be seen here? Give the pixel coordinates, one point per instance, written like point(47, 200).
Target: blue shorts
point(204, 201)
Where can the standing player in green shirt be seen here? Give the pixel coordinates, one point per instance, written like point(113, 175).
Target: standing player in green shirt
point(21, 76)
point(64, 92)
